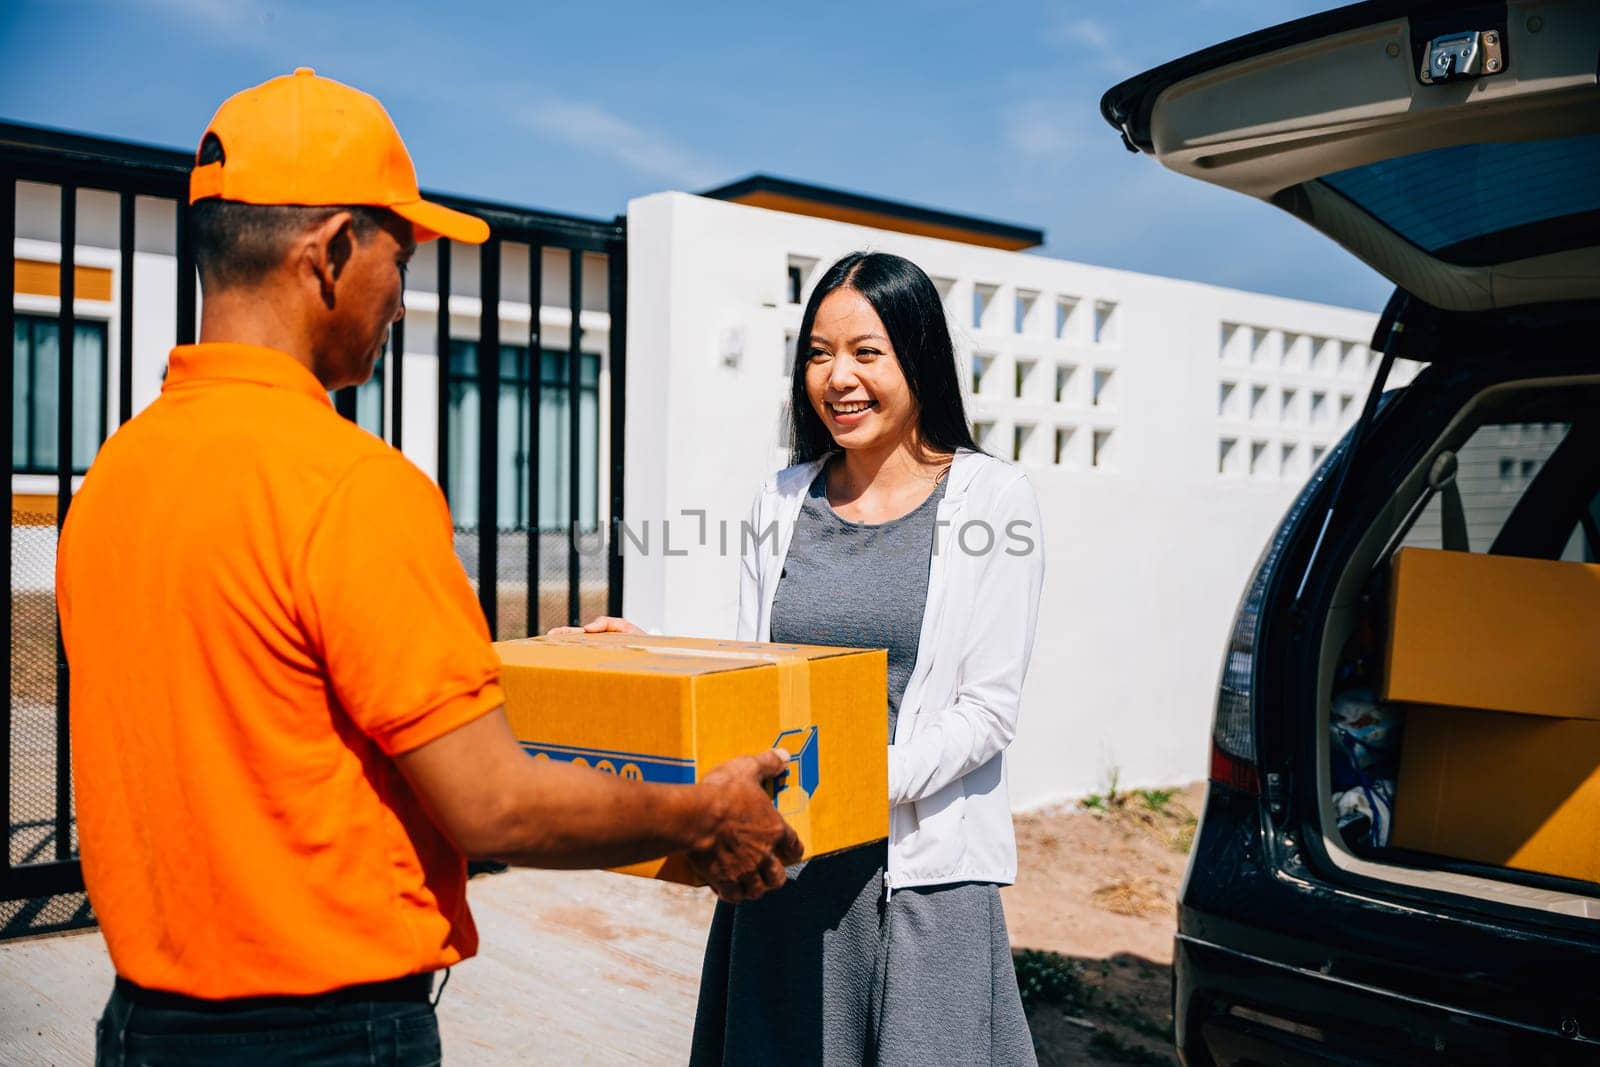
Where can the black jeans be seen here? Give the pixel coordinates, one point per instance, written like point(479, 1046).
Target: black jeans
point(391, 1024)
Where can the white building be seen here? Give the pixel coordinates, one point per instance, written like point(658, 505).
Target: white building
point(1165, 425)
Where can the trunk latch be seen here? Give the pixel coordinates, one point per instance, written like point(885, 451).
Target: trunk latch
point(1454, 56)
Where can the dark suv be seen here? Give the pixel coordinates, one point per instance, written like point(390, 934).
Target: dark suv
point(1456, 149)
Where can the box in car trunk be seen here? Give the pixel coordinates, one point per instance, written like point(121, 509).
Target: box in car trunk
point(1518, 791)
point(1499, 633)
point(1501, 760)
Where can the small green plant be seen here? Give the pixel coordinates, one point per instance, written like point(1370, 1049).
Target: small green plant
point(1048, 978)
point(1111, 799)
point(1155, 800)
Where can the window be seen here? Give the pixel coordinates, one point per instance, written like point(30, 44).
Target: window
point(981, 362)
point(1226, 391)
point(1291, 405)
point(1493, 477)
point(1321, 355)
point(1227, 450)
point(1020, 436)
point(1102, 451)
point(515, 417)
point(981, 432)
point(1509, 189)
point(1347, 360)
point(1105, 322)
point(1065, 374)
point(1259, 460)
point(1064, 435)
point(1295, 351)
point(1066, 316)
point(1102, 395)
point(1225, 341)
point(799, 269)
point(982, 301)
point(1259, 352)
point(35, 393)
point(1025, 302)
point(1258, 402)
point(1319, 407)
point(1024, 373)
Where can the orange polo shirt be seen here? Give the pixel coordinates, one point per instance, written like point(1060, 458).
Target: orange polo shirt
point(261, 606)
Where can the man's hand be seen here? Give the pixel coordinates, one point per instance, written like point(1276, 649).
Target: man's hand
point(603, 624)
point(750, 844)
point(495, 803)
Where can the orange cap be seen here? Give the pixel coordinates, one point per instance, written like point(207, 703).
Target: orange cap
point(301, 139)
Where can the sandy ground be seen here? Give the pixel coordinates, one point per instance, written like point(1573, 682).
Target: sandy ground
point(1099, 888)
point(591, 967)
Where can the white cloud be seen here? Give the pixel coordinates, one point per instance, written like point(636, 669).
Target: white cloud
point(1034, 130)
point(1087, 34)
point(590, 126)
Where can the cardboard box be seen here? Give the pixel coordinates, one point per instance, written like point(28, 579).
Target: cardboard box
point(1496, 633)
point(1500, 763)
point(670, 709)
point(1509, 790)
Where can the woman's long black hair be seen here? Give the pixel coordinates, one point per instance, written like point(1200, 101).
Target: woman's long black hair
point(907, 301)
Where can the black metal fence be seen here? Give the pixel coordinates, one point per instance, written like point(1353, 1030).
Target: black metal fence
point(41, 880)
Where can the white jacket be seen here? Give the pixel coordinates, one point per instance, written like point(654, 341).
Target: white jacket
point(949, 816)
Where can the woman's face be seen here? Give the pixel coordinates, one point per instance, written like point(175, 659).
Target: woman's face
point(853, 377)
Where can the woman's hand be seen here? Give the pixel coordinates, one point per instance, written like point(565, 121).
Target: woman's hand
point(605, 624)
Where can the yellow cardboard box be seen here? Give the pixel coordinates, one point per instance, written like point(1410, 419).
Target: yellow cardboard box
point(1494, 632)
point(1501, 756)
point(669, 709)
point(1518, 791)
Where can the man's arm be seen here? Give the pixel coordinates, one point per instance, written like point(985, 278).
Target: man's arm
point(495, 802)
point(381, 552)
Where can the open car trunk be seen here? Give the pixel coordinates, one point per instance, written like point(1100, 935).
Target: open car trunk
point(1455, 148)
point(1484, 780)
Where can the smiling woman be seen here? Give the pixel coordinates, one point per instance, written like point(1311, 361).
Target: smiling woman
point(894, 531)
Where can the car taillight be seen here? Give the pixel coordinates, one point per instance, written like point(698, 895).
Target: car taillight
point(1234, 759)
point(1233, 732)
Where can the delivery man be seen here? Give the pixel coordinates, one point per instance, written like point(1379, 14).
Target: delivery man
point(287, 731)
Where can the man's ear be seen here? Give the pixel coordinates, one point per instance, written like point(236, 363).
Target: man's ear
point(325, 250)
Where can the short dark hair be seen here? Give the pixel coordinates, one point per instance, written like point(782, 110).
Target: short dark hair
point(907, 301)
point(238, 244)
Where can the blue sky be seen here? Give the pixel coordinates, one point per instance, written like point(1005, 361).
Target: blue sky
point(985, 108)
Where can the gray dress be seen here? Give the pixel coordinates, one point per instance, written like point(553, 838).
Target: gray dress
point(828, 969)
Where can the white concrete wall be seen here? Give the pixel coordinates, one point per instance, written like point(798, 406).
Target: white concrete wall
point(1148, 548)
